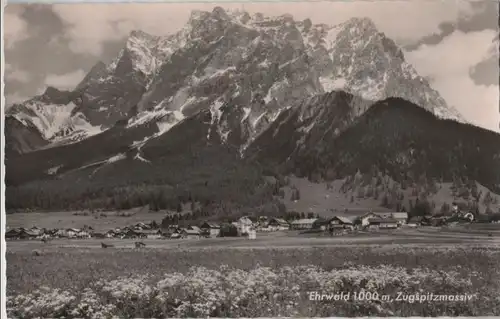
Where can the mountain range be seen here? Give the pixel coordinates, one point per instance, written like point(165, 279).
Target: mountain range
point(211, 110)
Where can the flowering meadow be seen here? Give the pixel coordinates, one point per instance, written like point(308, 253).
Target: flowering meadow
point(216, 285)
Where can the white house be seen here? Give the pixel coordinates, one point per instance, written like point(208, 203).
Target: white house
point(305, 223)
point(244, 225)
point(340, 223)
point(365, 219)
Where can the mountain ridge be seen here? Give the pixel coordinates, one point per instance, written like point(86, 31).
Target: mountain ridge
point(229, 100)
point(291, 59)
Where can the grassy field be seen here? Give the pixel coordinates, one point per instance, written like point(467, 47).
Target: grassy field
point(100, 283)
point(269, 276)
point(329, 201)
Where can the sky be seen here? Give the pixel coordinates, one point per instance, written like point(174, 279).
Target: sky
point(450, 42)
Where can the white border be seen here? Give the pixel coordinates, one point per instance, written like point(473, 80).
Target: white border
point(3, 278)
point(3, 267)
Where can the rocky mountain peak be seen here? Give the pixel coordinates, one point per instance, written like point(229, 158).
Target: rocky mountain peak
point(220, 13)
point(360, 26)
point(255, 66)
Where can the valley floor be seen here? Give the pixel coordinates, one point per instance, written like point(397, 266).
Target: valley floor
point(269, 276)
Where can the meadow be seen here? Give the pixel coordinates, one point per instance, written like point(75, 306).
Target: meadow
point(178, 282)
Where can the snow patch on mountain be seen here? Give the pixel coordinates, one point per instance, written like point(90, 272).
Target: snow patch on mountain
point(332, 84)
point(216, 114)
point(169, 121)
point(53, 170)
point(140, 158)
point(116, 158)
point(48, 119)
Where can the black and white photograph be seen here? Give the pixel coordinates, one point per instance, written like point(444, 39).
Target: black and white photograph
point(251, 159)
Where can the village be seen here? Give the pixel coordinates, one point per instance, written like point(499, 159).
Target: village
point(251, 226)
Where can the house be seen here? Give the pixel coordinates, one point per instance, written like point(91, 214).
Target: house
point(110, 234)
point(141, 226)
point(415, 221)
point(278, 224)
point(61, 233)
point(382, 223)
point(244, 224)
point(190, 234)
point(174, 229)
point(36, 230)
point(383, 215)
point(401, 217)
point(52, 232)
point(149, 234)
point(340, 223)
point(175, 235)
point(263, 221)
point(301, 224)
point(83, 234)
point(72, 232)
point(210, 229)
point(13, 233)
point(20, 233)
point(321, 223)
point(129, 233)
point(198, 229)
point(363, 220)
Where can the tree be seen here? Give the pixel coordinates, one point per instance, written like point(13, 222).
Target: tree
point(488, 210)
point(385, 201)
point(487, 199)
point(179, 207)
point(421, 208)
point(281, 193)
point(445, 209)
point(361, 192)
point(297, 194)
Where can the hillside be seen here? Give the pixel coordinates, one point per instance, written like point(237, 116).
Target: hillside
point(408, 144)
point(358, 161)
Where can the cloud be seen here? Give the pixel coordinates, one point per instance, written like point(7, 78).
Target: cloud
point(91, 25)
point(19, 97)
point(7, 67)
point(486, 72)
point(13, 98)
point(15, 28)
point(449, 64)
point(480, 15)
point(66, 81)
point(17, 75)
